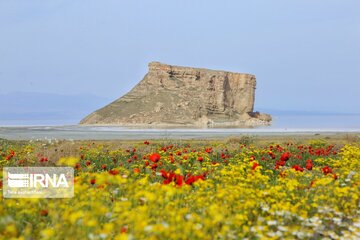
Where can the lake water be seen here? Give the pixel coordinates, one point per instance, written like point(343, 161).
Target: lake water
point(282, 125)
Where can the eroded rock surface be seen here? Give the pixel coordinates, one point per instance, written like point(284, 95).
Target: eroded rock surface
point(184, 96)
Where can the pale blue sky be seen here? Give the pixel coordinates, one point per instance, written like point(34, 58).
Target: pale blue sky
point(304, 53)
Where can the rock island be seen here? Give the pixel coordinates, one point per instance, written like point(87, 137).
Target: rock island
point(174, 96)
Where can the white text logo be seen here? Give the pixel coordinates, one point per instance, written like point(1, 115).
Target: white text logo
point(35, 180)
point(38, 182)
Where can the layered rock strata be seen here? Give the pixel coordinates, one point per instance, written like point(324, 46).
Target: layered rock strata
point(173, 96)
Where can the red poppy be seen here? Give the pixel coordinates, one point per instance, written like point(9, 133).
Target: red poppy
point(93, 181)
point(103, 166)
point(123, 229)
point(298, 168)
point(254, 166)
point(208, 150)
point(43, 159)
point(164, 174)
point(88, 163)
point(114, 171)
point(326, 170)
point(280, 163)
point(190, 180)
point(285, 156)
point(166, 181)
point(77, 166)
point(44, 212)
point(11, 155)
point(179, 180)
point(320, 151)
point(155, 157)
point(200, 159)
point(309, 166)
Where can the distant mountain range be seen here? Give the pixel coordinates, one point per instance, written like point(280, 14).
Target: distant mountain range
point(30, 108)
point(280, 112)
point(47, 108)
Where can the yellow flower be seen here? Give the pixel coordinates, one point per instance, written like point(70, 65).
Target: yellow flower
point(68, 161)
point(48, 233)
point(10, 230)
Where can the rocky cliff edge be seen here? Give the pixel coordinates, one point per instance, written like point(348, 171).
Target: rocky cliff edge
point(174, 96)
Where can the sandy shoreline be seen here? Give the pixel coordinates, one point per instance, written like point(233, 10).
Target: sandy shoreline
point(78, 132)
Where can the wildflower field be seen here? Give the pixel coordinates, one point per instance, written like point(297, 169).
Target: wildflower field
point(190, 190)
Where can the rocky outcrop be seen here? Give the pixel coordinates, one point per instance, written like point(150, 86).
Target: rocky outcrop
point(183, 96)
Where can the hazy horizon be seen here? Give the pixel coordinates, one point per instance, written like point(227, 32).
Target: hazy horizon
point(305, 54)
point(69, 109)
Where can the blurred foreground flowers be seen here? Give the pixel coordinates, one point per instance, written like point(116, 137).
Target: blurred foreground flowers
point(155, 191)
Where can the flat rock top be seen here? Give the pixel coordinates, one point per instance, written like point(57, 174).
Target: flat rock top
point(157, 66)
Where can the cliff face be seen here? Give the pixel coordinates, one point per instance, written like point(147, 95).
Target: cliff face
point(183, 96)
